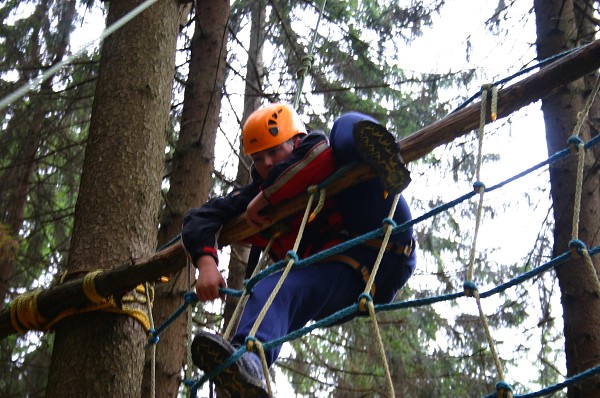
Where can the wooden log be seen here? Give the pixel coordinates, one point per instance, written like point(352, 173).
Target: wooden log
point(120, 279)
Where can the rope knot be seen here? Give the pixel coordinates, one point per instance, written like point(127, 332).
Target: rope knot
point(577, 247)
point(479, 187)
point(470, 288)
point(575, 143)
point(292, 255)
point(503, 390)
point(251, 343)
point(189, 382)
point(306, 65)
point(363, 299)
point(153, 339)
point(190, 298)
point(388, 222)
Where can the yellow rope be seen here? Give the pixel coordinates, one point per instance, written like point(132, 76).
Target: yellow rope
point(386, 237)
point(381, 349)
point(484, 94)
point(188, 351)
point(582, 117)
point(25, 315)
point(257, 345)
point(244, 298)
point(285, 272)
point(153, 346)
point(282, 278)
point(320, 205)
point(578, 188)
point(89, 288)
point(481, 190)
point(369, 305)
point(494, 105)
point(488, 334)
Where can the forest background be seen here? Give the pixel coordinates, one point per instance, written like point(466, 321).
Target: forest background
point(388, 60)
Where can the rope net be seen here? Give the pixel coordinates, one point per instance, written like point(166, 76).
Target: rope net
point(365, 305)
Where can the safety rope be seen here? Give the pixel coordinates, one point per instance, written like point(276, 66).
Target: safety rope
point(576, 146)
point(237, 313)
point(388, 227)
point(9, 99)
point(307, 60)
point(471, 289)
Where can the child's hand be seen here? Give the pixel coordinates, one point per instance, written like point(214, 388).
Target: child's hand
point(209, 280)
point(253, 216)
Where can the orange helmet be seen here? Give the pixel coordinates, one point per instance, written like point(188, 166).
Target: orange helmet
point(269, 126)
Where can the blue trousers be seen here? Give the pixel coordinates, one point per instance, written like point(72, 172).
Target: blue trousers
point(318, 290)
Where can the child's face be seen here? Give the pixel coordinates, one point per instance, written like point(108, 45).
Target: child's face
point(265, 160)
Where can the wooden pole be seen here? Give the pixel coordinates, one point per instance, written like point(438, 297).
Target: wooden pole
point(120, 279)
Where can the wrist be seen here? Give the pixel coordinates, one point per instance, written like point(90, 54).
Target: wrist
point(206, 261)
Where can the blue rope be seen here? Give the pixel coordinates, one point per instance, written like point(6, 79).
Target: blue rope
point(189, 298)
point(557, 387)
point(517, 74)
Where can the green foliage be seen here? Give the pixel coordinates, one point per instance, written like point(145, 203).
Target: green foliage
point(26, 371)
point(43, 138)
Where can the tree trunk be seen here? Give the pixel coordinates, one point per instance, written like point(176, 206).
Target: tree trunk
point(558, 29)
point(191, 181)
point(252, 96)
point(99, 353)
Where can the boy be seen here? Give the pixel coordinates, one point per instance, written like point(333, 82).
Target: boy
point(286, 161)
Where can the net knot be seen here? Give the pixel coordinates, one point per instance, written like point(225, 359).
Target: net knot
point(153, 339)
point(292, 255)
point(503, 390)
point(251, 343)
point(479, 187)
point(363, 300)
point(575, 143)
point(470, 288)
point(190, 298)
point(577, 247)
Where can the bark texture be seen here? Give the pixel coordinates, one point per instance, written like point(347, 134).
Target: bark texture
point(190, 182)
point(561, 25)
point(116, 217)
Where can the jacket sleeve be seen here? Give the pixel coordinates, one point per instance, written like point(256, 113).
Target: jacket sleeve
point(310, 163)
point(201, 226)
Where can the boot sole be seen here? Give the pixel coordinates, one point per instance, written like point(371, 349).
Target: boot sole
point(208, 351)
point(380, 151)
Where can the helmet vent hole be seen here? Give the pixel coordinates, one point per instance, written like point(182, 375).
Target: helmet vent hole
point(273, 129)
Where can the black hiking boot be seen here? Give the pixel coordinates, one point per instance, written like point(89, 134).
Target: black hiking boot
point(243, 379)
point(379, 149)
